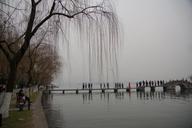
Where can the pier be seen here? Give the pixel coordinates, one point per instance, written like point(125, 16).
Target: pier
point(115, 90)
point(140, 86)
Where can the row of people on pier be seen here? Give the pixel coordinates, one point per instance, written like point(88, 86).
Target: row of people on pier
point(149, 83)
point(90, 86)
point(104, 85)
point(87, 85)
point(119, 85)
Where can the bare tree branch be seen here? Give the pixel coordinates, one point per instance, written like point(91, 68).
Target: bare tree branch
point(10, 49)
point(64, 7)
point(28, 34)
point(52, 7)
point(18, 38)
point(38, 2)
point(40, 42)
point(83, 11)
point(4, 12)
point(5, 52)
point(10, 6)
point(9, 16)
point(8, 46)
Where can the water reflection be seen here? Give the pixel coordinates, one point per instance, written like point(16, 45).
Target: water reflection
point(142, 95)
point(185, 94)
point(120, 95)
point(151, 95)
point(122, 109)
point(53, 111)
point(87, 97)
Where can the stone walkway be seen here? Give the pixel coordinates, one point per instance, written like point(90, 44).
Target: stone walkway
point(39, 119)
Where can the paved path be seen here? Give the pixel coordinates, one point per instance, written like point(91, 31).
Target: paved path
point(39, 119)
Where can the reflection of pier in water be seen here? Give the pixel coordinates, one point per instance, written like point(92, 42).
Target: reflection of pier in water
point(158, 95)
point(141, 95)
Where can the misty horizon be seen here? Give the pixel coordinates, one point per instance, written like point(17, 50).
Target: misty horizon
point(156, 44)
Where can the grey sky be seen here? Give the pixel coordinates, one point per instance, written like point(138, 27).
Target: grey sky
point(157, 41)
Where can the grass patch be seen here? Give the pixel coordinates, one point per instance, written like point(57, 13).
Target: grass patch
point(18, 119)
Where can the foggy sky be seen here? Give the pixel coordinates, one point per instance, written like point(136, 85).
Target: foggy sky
point(157, 42)
point(157, 39)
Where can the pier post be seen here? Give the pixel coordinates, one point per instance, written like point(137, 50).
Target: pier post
point(138, 89)
point(90, 91)
point(127, 89)
point(152, 88)
point(63, 91)
point(77, 91)
point(49, 91)
point(164, 88)
point(103, 90)
point(115, 90)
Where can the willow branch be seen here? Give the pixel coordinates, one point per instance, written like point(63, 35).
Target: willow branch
point(10, 6)
point(64, 7)
point(38, 2)
point(83, 11)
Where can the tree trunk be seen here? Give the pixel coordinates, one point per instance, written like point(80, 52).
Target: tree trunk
point(11, 77)
point(29, 79)
point(29, 72)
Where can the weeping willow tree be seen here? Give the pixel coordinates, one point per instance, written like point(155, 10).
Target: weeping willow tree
point(95, 22)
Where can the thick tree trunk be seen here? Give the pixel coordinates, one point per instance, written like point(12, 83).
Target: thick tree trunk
point(11, 77)
point(29, 71)
point(4, 109)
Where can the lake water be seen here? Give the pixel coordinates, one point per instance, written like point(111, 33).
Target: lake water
point(119, 110)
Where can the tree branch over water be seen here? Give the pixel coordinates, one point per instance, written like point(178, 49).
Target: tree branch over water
point(96, 23)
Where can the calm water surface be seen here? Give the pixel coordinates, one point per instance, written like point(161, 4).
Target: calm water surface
point(119, 110)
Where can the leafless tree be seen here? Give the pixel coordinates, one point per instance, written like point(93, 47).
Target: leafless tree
point(36, 15)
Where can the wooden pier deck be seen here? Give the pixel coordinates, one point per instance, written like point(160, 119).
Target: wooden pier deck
point(103, 90)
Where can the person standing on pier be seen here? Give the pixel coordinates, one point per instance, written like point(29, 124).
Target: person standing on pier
point(83, 86)
point(140, 84)
point(146, 83)
point(89, 86)
point(158, 83)
point(136, 84)
point(143, 83)
point(149, 83)
point(161, 82)
point(129, 85)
